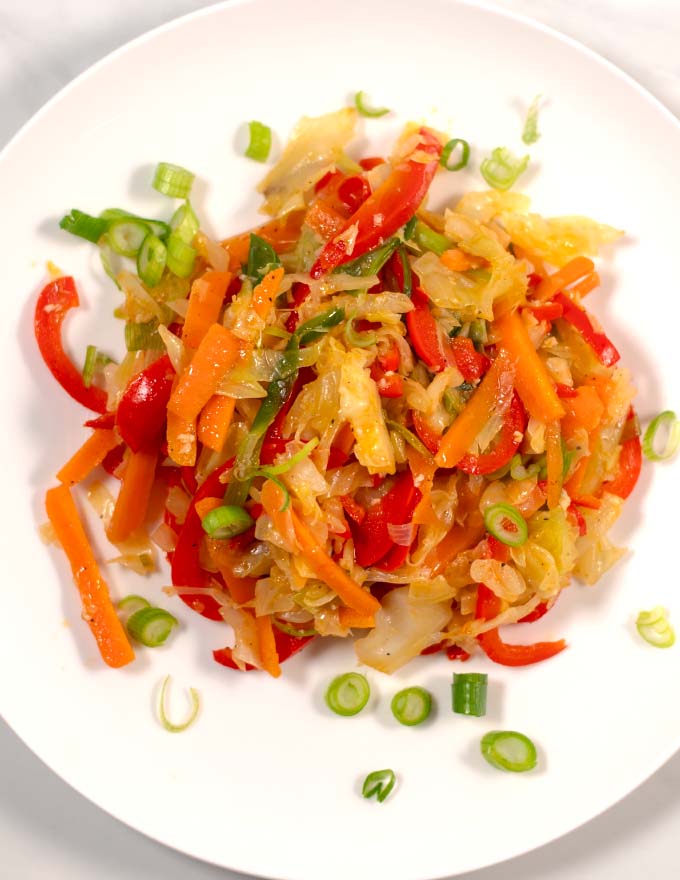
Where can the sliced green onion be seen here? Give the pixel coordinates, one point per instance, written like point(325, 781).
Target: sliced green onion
point(666, 420)
point(126, 236)
point(655, 628)
point(180, 256)
point(260, 141)
point(372, 262)
point(412, 706)
point(163, 716)
point(279, 332)
point(284, 489)
point(158, 227)
point(468, 693)
point(365, 110)
point(151, 626)
point(132, 603)
point(509, 750)
point(494, 521)
point(184, 223)
point(530, 133)
point(106, 256)
point(348, 694)
point(409, 228)
point(519, 471)
point(410, 438)
point(379, 783)
point(293, 630)
point(502, 168)
point(83, 225)
point(226, 522)
point(90, 364)
point(262, 258)
point(172, 180)
point(289, 463)
point(151, 260)
point(356, 339)
point(315, 328)
point(406, 270)
point(478, 332)
point(449, 148)
point(143, 337)
point(429, 240)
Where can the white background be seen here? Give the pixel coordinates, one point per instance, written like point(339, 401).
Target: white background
point(46, 829)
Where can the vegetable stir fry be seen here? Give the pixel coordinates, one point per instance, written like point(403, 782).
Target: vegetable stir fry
point(362, 419)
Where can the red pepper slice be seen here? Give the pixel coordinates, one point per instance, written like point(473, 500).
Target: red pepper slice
point(580, 520)
point(547, 312)
point(507, 444)
point(286, 646)
point(142, 411)
point(391, 386)
point(55, 300)
point(388, 208)
point(425, 336)
point(630, 465)
point(300, 293)
point(470, 362)
point(488, 606)
point(371, 162)
point(353, 192)
point(389, 360)
point(580, 319)
point(539, 611)
point(372, 541)
point(108, 420)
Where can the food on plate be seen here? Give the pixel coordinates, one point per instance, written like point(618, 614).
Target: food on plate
point(365, 419)
point(509, 750)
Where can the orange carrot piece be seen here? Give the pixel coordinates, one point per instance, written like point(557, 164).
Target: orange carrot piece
point(585, 410)
point(457, 260)
point(324, 219)
point(132, 503)
point(215, 420)
point(205, 302)
point(215, 356)
point(459, 539)
point(423, 471)
point(225, 557)
point(584, 287)
point(532, 380)
point(282, 233)
point(352, 619)
point(554, 462)
point(98, 610)
point(476, 413)
point(268, 653)
point(573, 271)
point(91, 453)
point(266, 291)
point(181, 437)
point(205, 505)
point(318, 560)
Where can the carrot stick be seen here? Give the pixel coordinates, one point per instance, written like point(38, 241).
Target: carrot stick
point(282, 233)
point(129, 512)
point(205, 505)
point(532, 380)
point(91, 453)
point(574, 269)
point(265, 292)
point(584, 287)
point(457, 260)
point(554, 461)
point(324, 219)
point(181, 437)
point(98, 610)
point(215, 356)
point(460, 538)
point(476, 413)
point(316, 557)
point(205, 302)
point(215, 420)
point(423, 471)
point(352, 619)
point(268, 653)
point(241, 589)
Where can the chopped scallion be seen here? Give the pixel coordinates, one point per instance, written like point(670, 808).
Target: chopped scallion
point(348, 694)
point(502, 169)
point(666, 422)
point(89, 366)
point(412, 439)
point(158, 227)
point(294, 631)
point(509, 750)
point(226, 522)
point(126, 236)
point(530, 134)
point(132, 603)
point(412, 706)
point(162, 713)
point(449, 148)
point(142, 337)
point(407, 287)
point(260, 141)
point(283, 467)
point(83, 225)
point(184, 223)
point(172, 180)
point(379, 783)
point(151, 260)
point(364, 109)
point(655, 628)
point(468, 693)
point(262, 258)
point(496, 518)
point(358, 340)
point(151, 626)
point(180, 256)
point(429, 240)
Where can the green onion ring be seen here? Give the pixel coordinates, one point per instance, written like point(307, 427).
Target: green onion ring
point(509, 750)
point(172, 180)
point(162, 714)
point(666, 419)
point(468, 693)
point(348, 694)
point(494, 518)
point(655, 628)
point(365, 110)
point(379, 783)
point(411, 706)
point(260, 142)
point(226, 521)
point(449, 148)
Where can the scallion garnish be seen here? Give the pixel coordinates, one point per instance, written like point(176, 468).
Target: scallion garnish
point(410, 438)
point(151, 626)
point(158, 227)
point(180, 256)
point(162, 714)
point(184, 223)
point(509, 750)
point(348, 694)
point(502, 169)
point(364, 109)
point(530, 133)
point(655, 628)
point(262, 258)
point(358, 340)
point(106, 257)
point(468, 693)
point(449, 148)
point(379, 783)
point(83, 225)
point(496, 518)
point(407, 287)
point(411, 706)
point(409, 228)
point(226, 522)
point(519, 471)
point(141, 337)
point(132, 603)
point(293, 630)
point(172, 180)
point(429, 240)
point(90, 364)
point(273, 470)
point(260, 141)
point(151, 260)
point(666, 421)
point(126, 236)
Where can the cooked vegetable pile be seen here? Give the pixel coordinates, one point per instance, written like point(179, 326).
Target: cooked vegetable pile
point(362, 419)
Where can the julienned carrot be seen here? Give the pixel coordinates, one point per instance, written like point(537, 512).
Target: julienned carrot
point(586, 285)
point(584, 410)
point(215, 356)
point(131, 505)
point(423, 471)
point(457, 260)
point(282, 233)
point(477, 411)
point(91, 453)
point(205, 302)
point(319, 561)
point(205, 505)
point(268, 653)
point(215, 420)
point(352, 619)
point(181, 437)
point(324, 219)
point(98, 611)
point(554, 462)
point(573, 271)
point(532, 380)
point(460, 538)
point(266, 291)
point(225, 557)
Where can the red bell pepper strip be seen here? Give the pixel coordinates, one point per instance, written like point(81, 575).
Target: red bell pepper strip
point(387, 209)
point(372, 541)
point(56, 299)
point(581, 523)
point(470, 362)
point(142, 411)
point(507, 444)
point(547, 311)
point(391, 386)
point(353, 192)
point(580, 319)
point(286, 646)
point(539, 611)
point(488, 606)
point(425, 336)
point(371, 162)
point(108, 420)
point(630, 465)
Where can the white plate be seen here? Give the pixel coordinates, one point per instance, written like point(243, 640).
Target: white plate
point(268, 781)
